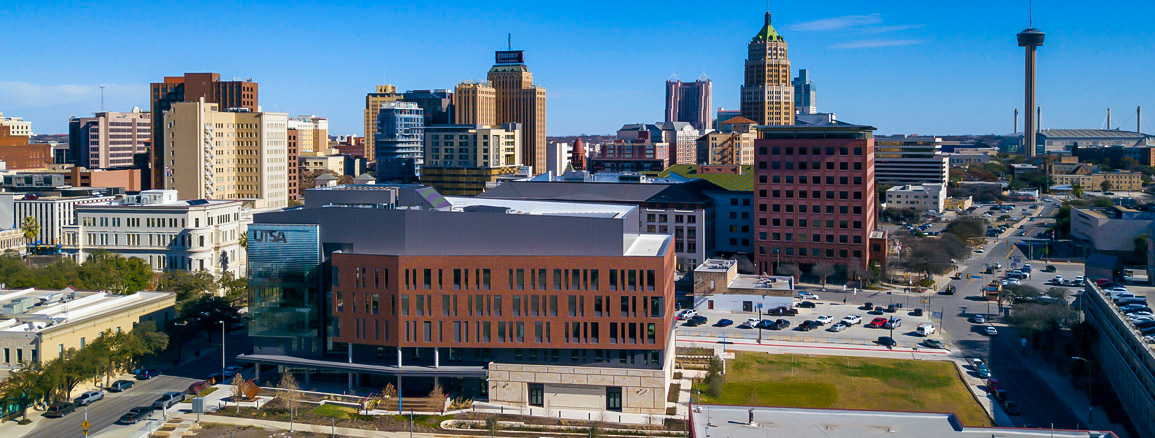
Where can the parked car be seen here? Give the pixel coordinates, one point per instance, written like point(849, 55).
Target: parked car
point(196, 387)
point(807, 296)
point(893, 323)
point(88, 397)
point(695, 321)
point(1050, 268)
point(1079, 279)
point(867, 306)
point(934, 343)
point(782, 311)
point(750, 323)
point(980, 250)
point(724, 323)
point(991, 330)
point(886, 341)
point(144, 374)
point(167, 400)
point(57, 410)
point(806, 305)
point(687, 314)
point(120, 385)
point(925, 329)
point(877, 322)
point(851, 319)
point(1011, 408)
point(979, 319)
point(982, 371)
point(916, 312)
point(837, 327)
point(877, 310)
point(824, 319)
point(1057, 280)
point(136, 414)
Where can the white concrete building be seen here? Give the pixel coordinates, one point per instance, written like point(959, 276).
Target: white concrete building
point(718, 286)
point(1112, 229)
point(51, 212)
point(335, 163)
point(165, 232)
point(558, 155)
point(17, 125)
point(921, 198)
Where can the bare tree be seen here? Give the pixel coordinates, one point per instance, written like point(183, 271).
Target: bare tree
point(855, 271)
point(789, 269)
point(823, 270)
point(238, 390)
point(438, 398)
point(289, 394)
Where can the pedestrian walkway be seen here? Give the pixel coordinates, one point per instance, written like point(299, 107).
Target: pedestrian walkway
point(301, 427)
point(1075, 398)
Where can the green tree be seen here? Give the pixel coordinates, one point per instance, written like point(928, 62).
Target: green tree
point(236, 289)
point(1106, 185)
point(205, 313)
point(115, 273)
point(187, 285)
point(1077, 190)
point(23, 387)
point(30, 228)
point(715, 379)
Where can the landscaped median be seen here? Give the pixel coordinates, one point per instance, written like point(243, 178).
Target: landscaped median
point(838, 382)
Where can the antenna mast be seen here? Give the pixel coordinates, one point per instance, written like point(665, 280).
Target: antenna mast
point(101, 98)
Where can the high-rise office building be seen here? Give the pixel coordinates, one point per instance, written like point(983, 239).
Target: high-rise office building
point(373, 101)
point(689, 102)
point(474, 103)
point(437, 105)
point(903, 160)
point(805, 94)
point(767, 96)
point(226, 154)
point(190, 88)
point(109, 140)
point(520, 101)
point(399, 139)
point(312, 135)
point(815, 197)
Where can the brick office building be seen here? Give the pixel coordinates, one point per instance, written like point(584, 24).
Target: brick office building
point(815, 196)
point(560, 321)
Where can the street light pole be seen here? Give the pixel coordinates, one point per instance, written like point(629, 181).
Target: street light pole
point(222, 348)
point(1090, 404)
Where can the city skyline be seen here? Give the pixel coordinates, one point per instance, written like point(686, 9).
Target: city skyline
point(886, 56)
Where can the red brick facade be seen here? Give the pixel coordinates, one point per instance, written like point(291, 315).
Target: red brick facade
point(504, 302)
point(814, 201)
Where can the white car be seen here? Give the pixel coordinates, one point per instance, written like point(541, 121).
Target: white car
point(980, 251)
point(89, 397)
point(852, 319)
point(824, 319)
point(750, 323)
point(687, 314)
point(979, 319)
point(807, 296)
point(992, 331)
point(837, 327)
point(1079, 280)
point(1057, 280)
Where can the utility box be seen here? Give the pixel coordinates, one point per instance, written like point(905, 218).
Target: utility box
point(198, 405)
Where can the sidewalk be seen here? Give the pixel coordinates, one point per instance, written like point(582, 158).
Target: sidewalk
point(1075, 398)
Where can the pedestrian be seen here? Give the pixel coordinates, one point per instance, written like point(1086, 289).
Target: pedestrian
point(843, 300)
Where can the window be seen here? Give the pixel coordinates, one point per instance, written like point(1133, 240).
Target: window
point(536, 394)
point(613, 398)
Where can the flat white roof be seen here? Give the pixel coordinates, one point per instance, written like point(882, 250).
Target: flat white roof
point(64, 310)
point(646, 244)
point(543, 207)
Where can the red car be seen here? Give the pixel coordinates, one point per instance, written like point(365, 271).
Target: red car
point(877, 322)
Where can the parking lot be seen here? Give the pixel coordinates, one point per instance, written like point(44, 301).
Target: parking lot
point(858, 334)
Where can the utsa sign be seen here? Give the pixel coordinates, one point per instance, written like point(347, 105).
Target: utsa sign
point(269, 236)
point(509, 57)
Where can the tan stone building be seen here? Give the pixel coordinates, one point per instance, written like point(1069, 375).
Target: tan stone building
point(233, 154)
point(768, 96)
point(1123, 181)
point(40, 325)
point(474, 103)
point(520, 101)
point(311, 134)
point(384, 94)
point(461, 160)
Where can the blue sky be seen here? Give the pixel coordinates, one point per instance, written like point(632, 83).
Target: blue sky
point(903, 66)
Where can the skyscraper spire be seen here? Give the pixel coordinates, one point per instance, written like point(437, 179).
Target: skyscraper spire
point(767, 18)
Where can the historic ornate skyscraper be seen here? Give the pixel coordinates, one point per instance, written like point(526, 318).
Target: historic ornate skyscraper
point(768, 96)
point(520, 101)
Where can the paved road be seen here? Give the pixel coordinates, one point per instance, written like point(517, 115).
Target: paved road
point(104, 413)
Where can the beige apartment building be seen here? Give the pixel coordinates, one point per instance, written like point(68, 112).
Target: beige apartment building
point(373, 101)
point(1122, 181)
point(520, 101)
point(312, 135)
point(727, 148)
point(462, 160)
point(40, 325)
point(227, 155)
point(474, 103)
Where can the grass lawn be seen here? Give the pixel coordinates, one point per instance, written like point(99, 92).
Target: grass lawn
point(848, 383)
point(336, 411)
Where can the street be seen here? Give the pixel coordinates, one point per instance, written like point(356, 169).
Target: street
point(104, 413)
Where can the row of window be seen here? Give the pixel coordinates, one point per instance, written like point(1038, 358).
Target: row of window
point(804, 179)
point(463, 332)
point(537, 279)
point(813, 252)
point(478, 305)
point(805, 208)
point(802, 223)
point(815, 151)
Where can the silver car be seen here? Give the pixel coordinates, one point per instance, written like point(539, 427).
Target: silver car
point(88, 397)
